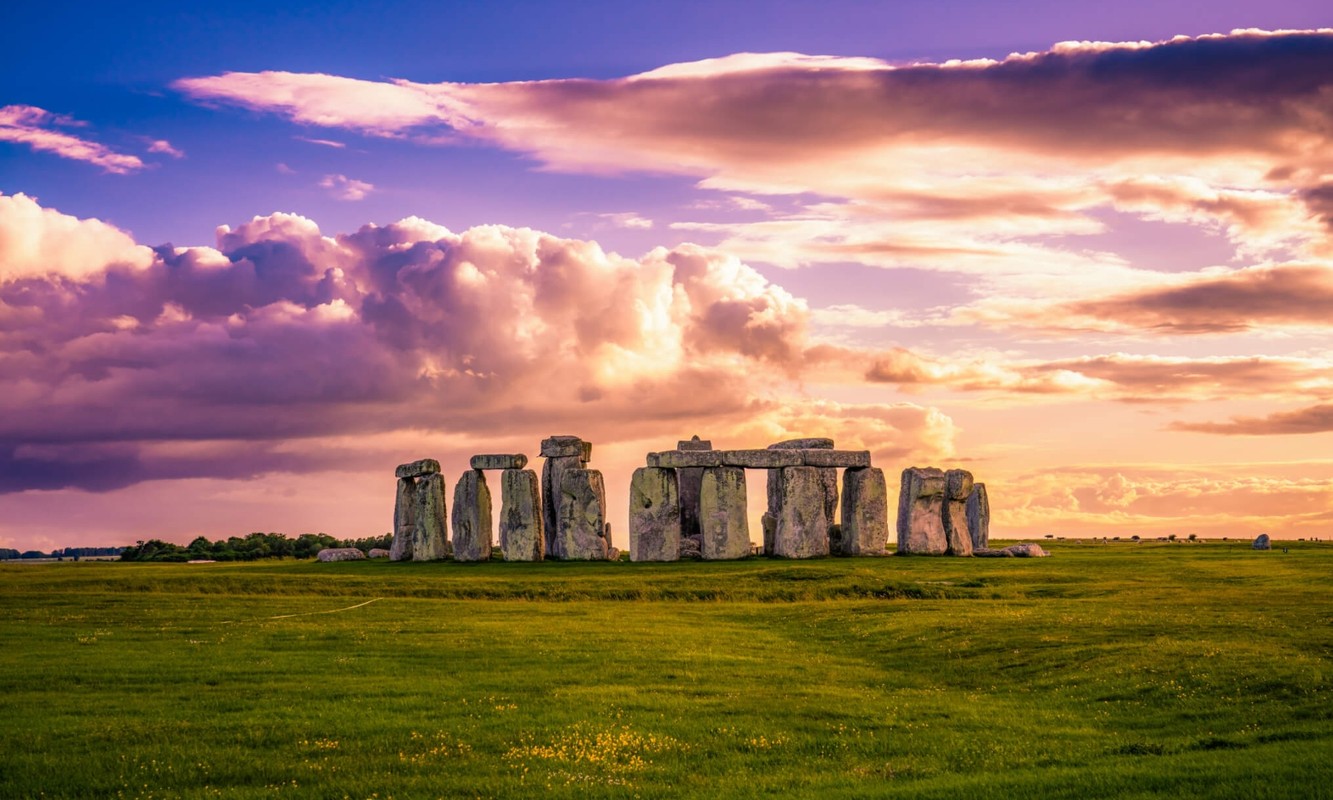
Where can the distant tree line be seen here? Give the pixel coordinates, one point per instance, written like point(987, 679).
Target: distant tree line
point(73, 553)
point(247, 548)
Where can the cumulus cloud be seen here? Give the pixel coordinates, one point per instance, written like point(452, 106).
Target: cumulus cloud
point(345, 188)
point(41, 241)
point(42, 130)
point(281, 333)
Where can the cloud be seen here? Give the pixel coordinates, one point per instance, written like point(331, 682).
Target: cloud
point(39, 129)
point(1315, 419)
point(163, 146)
point(40, 241)
point(238, 359)
point(345, 188)
point(985, 154)
point(321, 142)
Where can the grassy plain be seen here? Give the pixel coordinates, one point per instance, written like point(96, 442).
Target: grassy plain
point(1152, 670)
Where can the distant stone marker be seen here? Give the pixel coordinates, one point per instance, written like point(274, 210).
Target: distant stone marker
point(1262, 542)
point(340, 554)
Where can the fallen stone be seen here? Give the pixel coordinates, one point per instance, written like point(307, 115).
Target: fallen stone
point(472, 517)
point(678, 459)
point(1024, 550)
point(340, 554)
point(803, 444)
point(404, 520)
point(562, 447)
point(582, 516)
point(416, 469)
point(496, 461)
point(429, 539)
point(802, 526)
point(378, 552)
point(694, 443)
point(865, 513)
point(520, 516)
point(921, 512)
point(1262, 542)
point(847, 459)
point(978, 516)
point(612, 553)
point(654, 515)
point(691, 547)
point(957, 487)
point(761, 459)
point(724, 527)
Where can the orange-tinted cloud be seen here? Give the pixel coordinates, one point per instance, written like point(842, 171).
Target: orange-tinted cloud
point(1314, 419)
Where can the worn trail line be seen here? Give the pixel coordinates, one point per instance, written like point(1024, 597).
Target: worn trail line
point(307, 613)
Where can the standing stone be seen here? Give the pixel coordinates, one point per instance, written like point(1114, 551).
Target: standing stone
point(978, 517)
point(957, 487)
point(429, 541)
point(865, 513)
point(722, 514)
point(654, 515)
point(404, 522)
point(688, 480)
point(921, 512)
point(582, 516)
point(802, 526)
point(472, 517)
point(562, 453)
point(1262, 542)
point(520, 516)
point(828, 478)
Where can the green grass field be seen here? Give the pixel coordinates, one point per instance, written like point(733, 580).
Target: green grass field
point(1153, 670)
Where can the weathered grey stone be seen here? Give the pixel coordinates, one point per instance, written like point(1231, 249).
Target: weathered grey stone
point(404, 522)
point(472, 517)
point(957, 487)
point(921, 512)
point(978, 517)
point(761, 459)
point(803, 444)
point(612, 553)
point(828, 478)
point(563, 447)
point(678, 459)
point(654, 515)
point(723, 521)
point(1262, 542)
point(553, 472)
point(586, 454)
point(340, 554)
point(416, 469)
point(769, 523)
point(429, 539)
point(847, 459)
point(688, 480)
point(582, 516)
point(865, 513)
point(377, 552)
point(1025, 550)
point(691, 547)
point(694, 443)
point(499, 461)
point(521, 536)
point(802, 526)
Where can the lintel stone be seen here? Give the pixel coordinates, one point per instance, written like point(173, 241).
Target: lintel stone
point(850, 459)
point(803, 444)
point(761, 459)
point(416, 469)
point(498, 461)
point(679, 459)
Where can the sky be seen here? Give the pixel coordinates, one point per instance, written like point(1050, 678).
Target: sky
point(253, 257)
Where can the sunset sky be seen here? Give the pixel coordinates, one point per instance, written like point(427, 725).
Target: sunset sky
point(251, 259)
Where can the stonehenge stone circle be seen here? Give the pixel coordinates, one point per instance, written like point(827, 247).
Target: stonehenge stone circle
point(688, 480)
point(419, 532)
point(921, 512)
point(472, 517)
point(865, 514)
point(978, 517)
point(562, 453)
point(725, 530)
point(521, 536)
point(655, 514)
point(957, 487)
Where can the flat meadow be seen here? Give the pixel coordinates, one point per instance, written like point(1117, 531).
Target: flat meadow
point(1108, 670)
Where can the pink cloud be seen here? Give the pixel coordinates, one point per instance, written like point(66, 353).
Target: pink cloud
point(1314, 419)
point(39, 129)
point(345, 188)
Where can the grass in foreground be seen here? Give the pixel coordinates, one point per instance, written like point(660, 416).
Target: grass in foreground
point(1107, 671)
